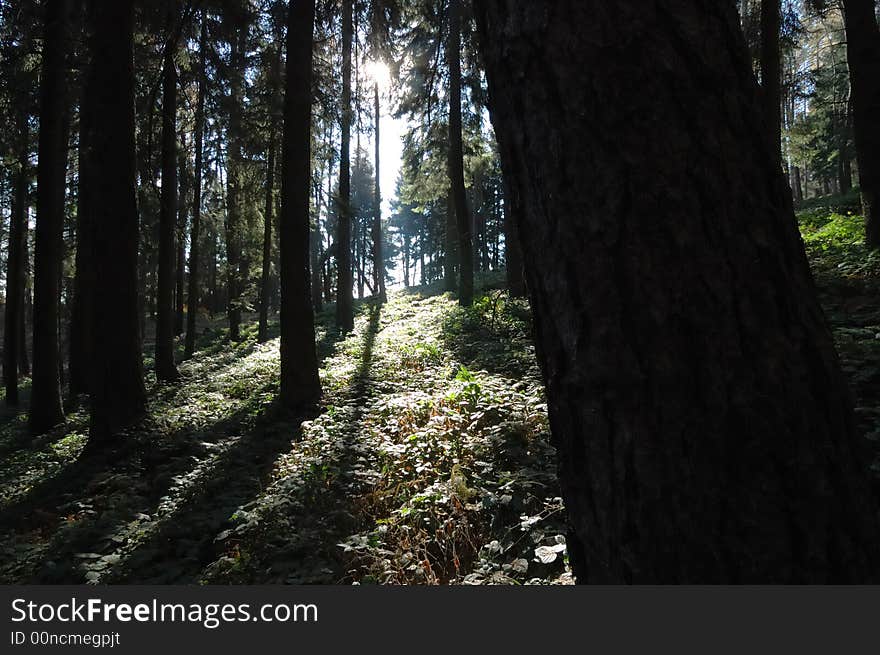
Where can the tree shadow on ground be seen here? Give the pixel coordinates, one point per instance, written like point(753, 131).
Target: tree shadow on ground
point(88, 511)
point(151, 511)
point(195, 535)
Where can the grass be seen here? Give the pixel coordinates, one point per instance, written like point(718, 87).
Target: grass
point(429, 463)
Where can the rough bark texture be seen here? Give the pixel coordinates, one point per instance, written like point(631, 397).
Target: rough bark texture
point(165, 368)
point(300, 385)
point(344, 301)
point(863, 55)
point(192, 296)
point(516, 278)
point(46, 407)
point(378, 257)
point(771, 71)
point(456, 160)
point(13, 333)
point(117, 385)
point(703, 426)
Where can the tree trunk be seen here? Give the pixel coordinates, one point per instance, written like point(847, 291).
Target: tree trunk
point(771, 72)
point(516, 281)
point(165, 368)
point(192, 296)
point(450, 249)
point(13, 334)
point(46, 408)
point(233, 188)
point(316, 267)
point(456, 160)
point(422, 246)
point(798, 187)
point(317, 244)
point(117, 385)
point(180, 264)
point(263, 330)
point(863, 55)
point(703, 426)
point(406, 257)
point(378, 257)
point(80, 364)
point(26, 312)
point(344, 301)
point(300, 385)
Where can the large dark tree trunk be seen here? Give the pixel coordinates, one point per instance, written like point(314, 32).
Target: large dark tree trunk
point(16, 267)
point(378, 257)
point(79, 368)
point(344, 301)
point(863, 55)
point(192, 296)
point(165, 368)
point(771, 72)
point(516, 281)
point(117, 384)
point(46, 407)
point(456, 160)
point(300, 385)
point(703, 426)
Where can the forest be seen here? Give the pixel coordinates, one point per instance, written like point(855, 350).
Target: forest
point(440, 292)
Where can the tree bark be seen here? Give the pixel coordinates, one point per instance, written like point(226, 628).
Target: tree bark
point(117, 385)
point(79, 367)
point(180, 236)
point(450, 246)
point(863, 56)
point(300, 384)
point(13, 334)
point(192, 296)
point(46, 407)
point(456, 160)
point(798, 187)
point(165, 367)
point(263, 329)
point(233, 187)
point(516, 281)
point(344, 301)
point(703, 426)
point(771, 72)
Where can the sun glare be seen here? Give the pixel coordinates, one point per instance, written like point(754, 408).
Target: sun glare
point(378, 72)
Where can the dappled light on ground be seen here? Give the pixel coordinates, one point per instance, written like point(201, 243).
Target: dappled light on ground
point(429, 463)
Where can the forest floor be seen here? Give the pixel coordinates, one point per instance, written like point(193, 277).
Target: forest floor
point(430, 462)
